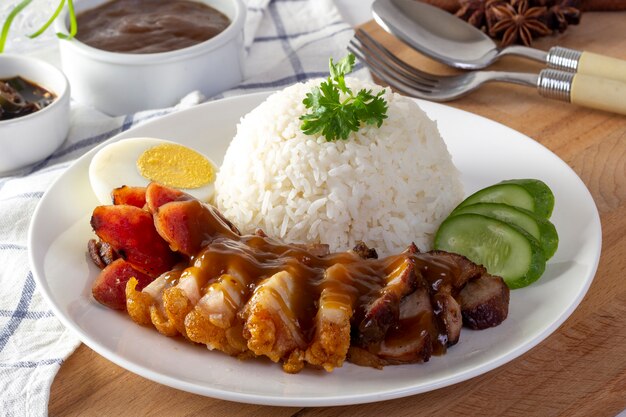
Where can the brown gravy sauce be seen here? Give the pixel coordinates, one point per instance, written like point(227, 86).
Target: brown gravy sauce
point(358, 281)
point(149, 26)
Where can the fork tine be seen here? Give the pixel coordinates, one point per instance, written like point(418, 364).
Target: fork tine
point(389, 75)
point(362, 35)
point(414, 82)
point(375, 51)
point(395, 84)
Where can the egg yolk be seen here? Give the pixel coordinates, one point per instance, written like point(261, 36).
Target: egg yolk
point(175, 166)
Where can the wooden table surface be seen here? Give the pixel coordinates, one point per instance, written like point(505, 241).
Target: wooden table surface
point(580, 370)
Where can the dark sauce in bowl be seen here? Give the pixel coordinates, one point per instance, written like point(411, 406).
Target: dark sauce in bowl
point(149, 26)
point(20, 97)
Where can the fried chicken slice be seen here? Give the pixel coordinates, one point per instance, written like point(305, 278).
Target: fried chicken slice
point(214, 321)
point(331, 340)
point(138, 303)
point(180, 299)
point(271, 323)
point(147, 306)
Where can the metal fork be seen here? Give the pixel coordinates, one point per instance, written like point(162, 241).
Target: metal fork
point(593, 92)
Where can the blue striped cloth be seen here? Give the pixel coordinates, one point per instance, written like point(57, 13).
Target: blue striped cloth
point(286, 41)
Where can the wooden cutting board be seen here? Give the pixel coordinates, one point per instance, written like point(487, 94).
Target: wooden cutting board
point(580, 370)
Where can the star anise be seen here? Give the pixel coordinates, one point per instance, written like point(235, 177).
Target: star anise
point(474, 11)
point(564, 13)
point(515, 22)
point(541, 3)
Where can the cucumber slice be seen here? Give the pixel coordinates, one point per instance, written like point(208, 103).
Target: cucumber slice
point(544, 198)
point(529, 194)
point(538, 227)
point(503, 249)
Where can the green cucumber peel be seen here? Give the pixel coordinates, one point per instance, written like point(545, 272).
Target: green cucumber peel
point(529, 194)
point(538, 227)
point(544, 198)
point(503, 249)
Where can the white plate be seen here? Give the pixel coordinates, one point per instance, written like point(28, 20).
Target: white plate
point(484, 151)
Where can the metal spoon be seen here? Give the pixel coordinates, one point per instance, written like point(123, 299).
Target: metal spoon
point(454, 42)
point(582, 89)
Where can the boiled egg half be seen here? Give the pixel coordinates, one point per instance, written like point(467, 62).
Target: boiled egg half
point(138, 161)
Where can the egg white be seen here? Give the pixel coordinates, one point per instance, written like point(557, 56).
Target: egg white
point(115, 165)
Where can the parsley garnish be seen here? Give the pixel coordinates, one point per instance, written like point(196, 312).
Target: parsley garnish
point(336, 118)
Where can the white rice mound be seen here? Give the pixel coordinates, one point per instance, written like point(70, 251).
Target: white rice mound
point(386, 186)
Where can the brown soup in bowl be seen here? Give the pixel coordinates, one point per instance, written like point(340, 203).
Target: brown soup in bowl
point(149, 26)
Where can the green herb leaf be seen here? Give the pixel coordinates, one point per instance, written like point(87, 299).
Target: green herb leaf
point(49, 22)
point(335, 118)
point(9, 20)
point(343, 67)
point(73, 22)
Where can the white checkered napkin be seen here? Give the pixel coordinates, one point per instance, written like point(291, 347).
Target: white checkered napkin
point(32, 341)
point(286, 41)
point(293, 43)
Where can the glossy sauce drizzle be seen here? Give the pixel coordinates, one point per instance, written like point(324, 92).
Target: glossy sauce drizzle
point(358, 282)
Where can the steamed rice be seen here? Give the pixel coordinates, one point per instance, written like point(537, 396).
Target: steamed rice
point(387, 187)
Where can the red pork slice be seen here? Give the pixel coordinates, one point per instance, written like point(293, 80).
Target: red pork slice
point(131, 233)
point(157, 195)
point(410, 340)
point(110, 286)
point(449, 317)
point(466, 269)
point(484, 302)
point(133, 196)
point(383, 311)
point(190, 225)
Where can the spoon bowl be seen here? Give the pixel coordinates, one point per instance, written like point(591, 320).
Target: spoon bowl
point(443, 36)
point(436, 33)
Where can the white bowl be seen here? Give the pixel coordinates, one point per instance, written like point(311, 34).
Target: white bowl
point(122, 83)
point(30, 138)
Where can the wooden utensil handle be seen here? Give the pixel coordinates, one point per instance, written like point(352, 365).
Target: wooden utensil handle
point(602, 66)
point(599, 93)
